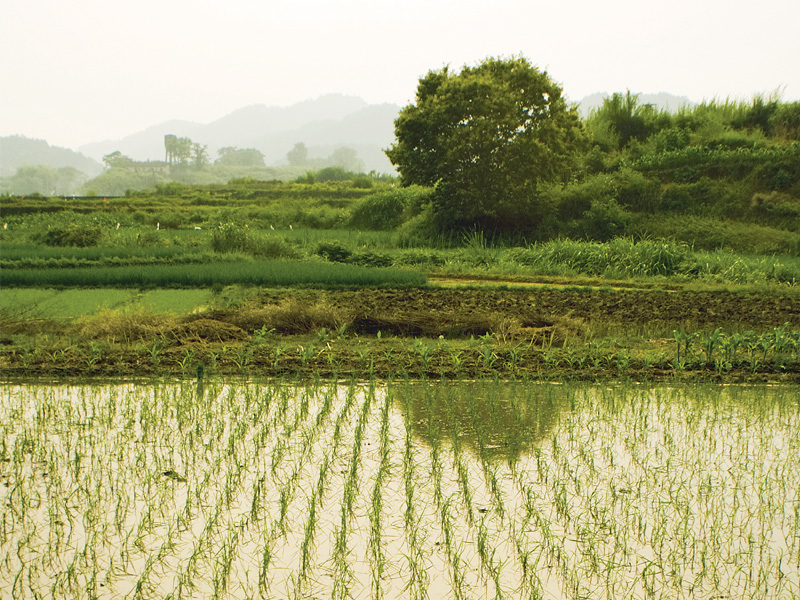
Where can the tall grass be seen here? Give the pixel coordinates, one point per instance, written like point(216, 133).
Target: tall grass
point(624, 258)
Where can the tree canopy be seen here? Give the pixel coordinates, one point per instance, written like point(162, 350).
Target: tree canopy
point(117, 159)
point(487, 138)
point(240, 157)
point(298, 155)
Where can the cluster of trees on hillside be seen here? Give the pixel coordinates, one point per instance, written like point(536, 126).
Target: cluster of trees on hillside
point(188, 162)
point(501, 151)
point(43, 180)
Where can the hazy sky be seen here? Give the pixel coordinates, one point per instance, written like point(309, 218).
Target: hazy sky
point(79, 71)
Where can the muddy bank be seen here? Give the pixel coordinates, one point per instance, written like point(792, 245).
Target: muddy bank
point(454, 333)
point(704, 309)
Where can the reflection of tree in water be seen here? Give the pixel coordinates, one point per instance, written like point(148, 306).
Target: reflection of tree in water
point(509, 418)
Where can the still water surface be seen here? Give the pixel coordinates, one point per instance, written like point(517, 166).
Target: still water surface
point(399, 490)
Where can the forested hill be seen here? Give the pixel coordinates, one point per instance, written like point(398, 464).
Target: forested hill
point(18, 151)
point(322, 125)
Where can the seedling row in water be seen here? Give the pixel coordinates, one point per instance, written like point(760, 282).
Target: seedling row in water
point(398, 490)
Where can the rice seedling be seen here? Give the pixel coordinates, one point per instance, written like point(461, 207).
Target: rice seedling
point(208, 274)
point(281, 488)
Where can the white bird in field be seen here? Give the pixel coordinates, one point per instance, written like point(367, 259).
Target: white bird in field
point(117, 225)
point(5, 225)
point(158, 225)
point(271, 227)
point(290, 227)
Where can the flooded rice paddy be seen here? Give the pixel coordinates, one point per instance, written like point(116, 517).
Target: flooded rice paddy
point(399, 490)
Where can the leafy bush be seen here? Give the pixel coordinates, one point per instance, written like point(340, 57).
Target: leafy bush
point(172, 188)
point(421, 257)
point(634, 190)
point(271, 247)
point(605, 219)
point(696, 198)
point(667, 140)
point(74, 234)
point(230, 237)
point(626, 187)
point(776, 204)
point(150, 239)
point(333, 251)
point(363, 182)
point(420, 230)
point(386, 210)
point(785, 121)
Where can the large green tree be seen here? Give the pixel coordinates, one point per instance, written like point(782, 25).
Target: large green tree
point(487, 137)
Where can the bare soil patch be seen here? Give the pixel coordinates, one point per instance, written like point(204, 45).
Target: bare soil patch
point(412, 310)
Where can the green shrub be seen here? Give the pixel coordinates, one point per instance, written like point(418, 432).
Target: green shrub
point(172, 188)
point(595, 161)
point(785, 121)
point(151, 239)
point(333, 174)
point(421, 257)
point(695, 198)
point(576, 198)
point(81, 235)
point(333, 251)
point(386, 210)
point(605, 219)
point(627, 187)
point(419, 230)
point(271, 247)
point(635, 191)
point(363, 182)
point(230, 237)
point(667, 140)
point(776, 204)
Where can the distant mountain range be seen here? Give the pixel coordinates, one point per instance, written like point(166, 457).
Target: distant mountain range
point(18, 151)
point(323, 125)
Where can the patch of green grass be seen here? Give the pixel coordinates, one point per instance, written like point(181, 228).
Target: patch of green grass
point(276, 272)
point(35, 303)
point(173, 301)
point(54, 304)
point(709, 233)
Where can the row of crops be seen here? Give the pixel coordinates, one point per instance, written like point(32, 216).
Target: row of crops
point(403, 490)
point(216, 273)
